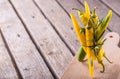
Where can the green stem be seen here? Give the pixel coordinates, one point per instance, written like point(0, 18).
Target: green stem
point(107, 59)
point(103, 67)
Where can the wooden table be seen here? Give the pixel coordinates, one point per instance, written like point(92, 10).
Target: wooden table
point(37, 40)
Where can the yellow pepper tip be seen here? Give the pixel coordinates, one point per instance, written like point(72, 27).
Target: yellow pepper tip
point(87, 9)
point(71, 14)
point(110, 12)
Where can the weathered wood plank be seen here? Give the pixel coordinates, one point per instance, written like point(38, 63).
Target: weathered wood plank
point(102, 11)
point(7, 70)
point(61, 22)
point(52, 48)
point(28, 59)
point(114, 4)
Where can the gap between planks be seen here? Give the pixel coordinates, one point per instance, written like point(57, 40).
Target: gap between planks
point(7, 69)
point(12, 58)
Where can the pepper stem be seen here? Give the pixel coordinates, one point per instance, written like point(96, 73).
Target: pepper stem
point(75, 9)
point(107, 59)
point(103, 67)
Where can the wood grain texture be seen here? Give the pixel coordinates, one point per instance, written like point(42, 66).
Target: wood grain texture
point(102, 12)
point(113, 4)
point(28, 59)
point(51, 46)
point(78, 70)
point(7, 70)
point(61, 22)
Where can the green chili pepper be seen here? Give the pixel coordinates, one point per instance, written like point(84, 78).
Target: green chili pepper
point(81, 55)
point(103, 26)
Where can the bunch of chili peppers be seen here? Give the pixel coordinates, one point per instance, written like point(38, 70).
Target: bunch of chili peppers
point(90, 36)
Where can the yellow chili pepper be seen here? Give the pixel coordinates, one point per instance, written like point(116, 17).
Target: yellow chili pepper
point(81, 36)
point(87, 10)
point(84, 16)
point(95, 18)
point(90, 51)
point(101, 55)
point(89, 41)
